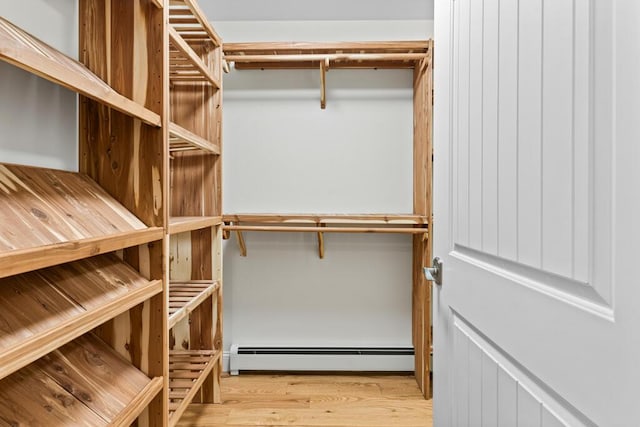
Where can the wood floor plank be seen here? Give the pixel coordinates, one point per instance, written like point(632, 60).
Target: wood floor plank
point(315, 401)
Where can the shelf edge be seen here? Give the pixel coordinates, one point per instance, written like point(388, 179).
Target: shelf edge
point(194, 223)
point(132, 411)
point(25, 260)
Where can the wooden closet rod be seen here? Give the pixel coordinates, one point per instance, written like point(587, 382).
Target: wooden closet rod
point(329, 56)
point(327, 229)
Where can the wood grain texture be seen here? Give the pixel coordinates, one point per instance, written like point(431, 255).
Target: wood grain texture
point(125, 43)
point(27, 52)
point(52, 216)
point(422, 195)
point(192, 171)
point(31, 398)
point(315, 400)
point(125, 156)
point(43, 310)
point(45, 206)
point(218, 326)
point(82, 383)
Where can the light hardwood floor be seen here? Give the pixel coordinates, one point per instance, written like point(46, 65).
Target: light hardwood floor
point(315, 400)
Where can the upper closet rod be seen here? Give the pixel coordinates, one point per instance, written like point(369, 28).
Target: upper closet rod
point(325, 56)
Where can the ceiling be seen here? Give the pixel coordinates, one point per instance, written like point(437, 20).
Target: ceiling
point(310, 10)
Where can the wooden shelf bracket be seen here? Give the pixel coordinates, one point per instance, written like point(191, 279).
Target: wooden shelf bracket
point(321, 243)
point(241, 244)
point(324, 68)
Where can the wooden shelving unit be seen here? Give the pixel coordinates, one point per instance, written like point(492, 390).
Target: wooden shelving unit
point(83, 289)
point(188, 371)
point(195, 209)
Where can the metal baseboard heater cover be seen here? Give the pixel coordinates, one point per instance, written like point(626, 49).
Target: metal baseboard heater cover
point(365, 359)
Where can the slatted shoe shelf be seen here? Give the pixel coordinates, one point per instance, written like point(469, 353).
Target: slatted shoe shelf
point(195, 223)
point(84, 382)
point(190, 33)
point(184, 297)
point(188, 371)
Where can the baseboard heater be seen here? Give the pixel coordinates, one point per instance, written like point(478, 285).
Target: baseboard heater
point(364, 359)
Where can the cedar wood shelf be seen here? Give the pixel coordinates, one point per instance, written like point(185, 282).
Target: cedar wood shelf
point(83, 382)
point(27, 52)
point(51, 217)
point(47, 308)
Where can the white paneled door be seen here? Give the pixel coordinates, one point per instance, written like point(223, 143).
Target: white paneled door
point(537, 213)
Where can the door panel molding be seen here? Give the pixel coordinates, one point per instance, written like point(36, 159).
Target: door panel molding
point(487, 374)
point(578, 294)
point(532, 141)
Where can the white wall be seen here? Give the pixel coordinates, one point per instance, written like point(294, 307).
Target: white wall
point(284, 154)
point(38, 119)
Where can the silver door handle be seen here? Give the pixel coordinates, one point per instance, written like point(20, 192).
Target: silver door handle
point(434, 274)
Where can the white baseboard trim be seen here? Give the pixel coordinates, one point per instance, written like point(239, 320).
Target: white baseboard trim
point(364, 359)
